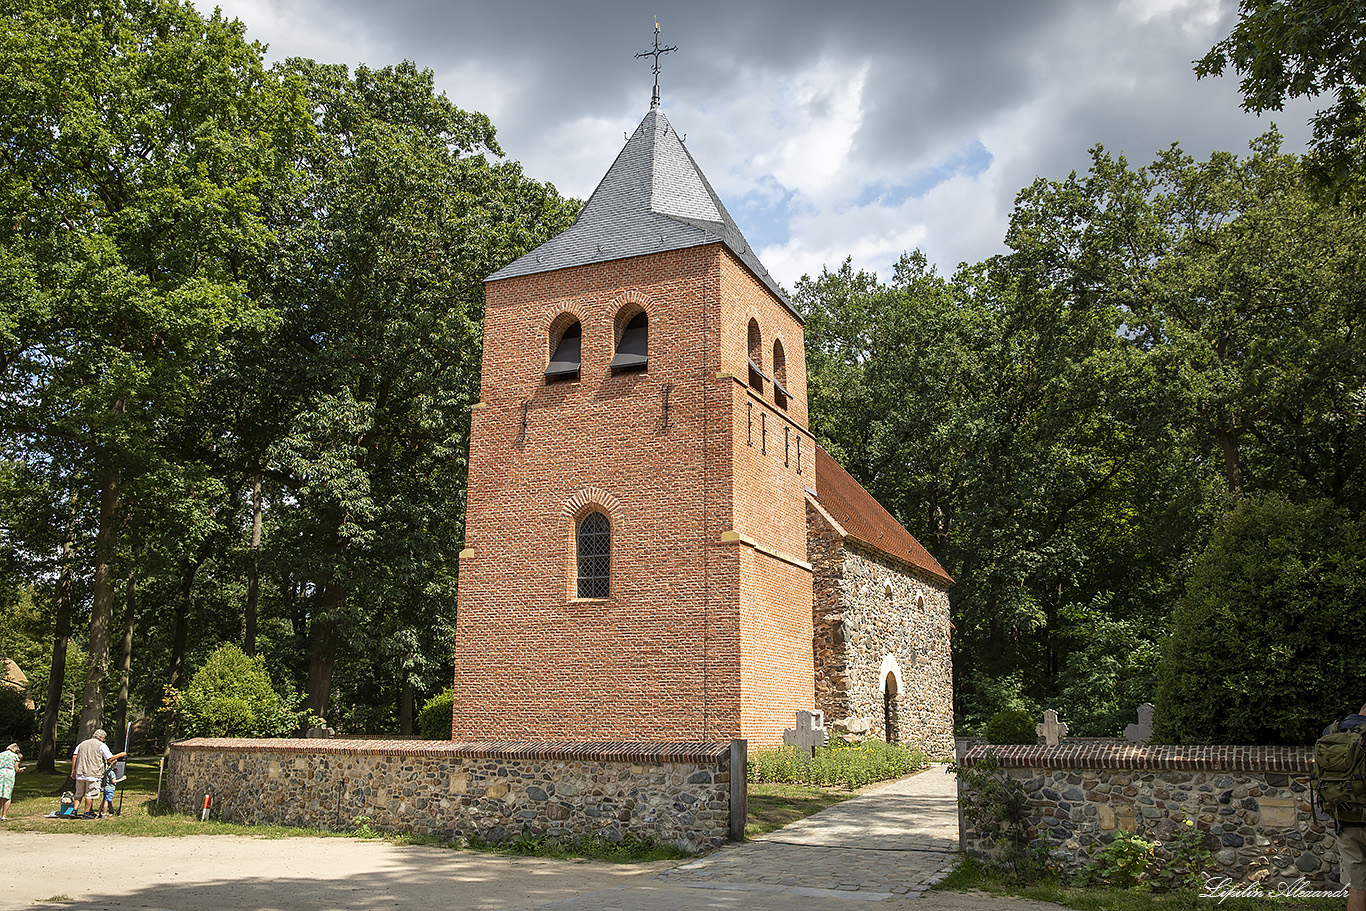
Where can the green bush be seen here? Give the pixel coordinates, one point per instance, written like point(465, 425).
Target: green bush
point(1263, 643)
point(993, 802)
point(852, 766)
point(1012, 726)
point(434, 721)
point(232, 696)
point(17, 721)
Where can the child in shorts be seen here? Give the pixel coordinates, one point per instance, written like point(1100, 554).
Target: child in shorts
point(107, 786)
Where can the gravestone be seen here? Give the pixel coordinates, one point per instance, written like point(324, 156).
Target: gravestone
point(810, 732)
point(1051, 730)
point(1143, 731)
point(322, 730)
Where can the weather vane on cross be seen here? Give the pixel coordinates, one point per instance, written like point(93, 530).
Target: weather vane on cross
point(654, 99)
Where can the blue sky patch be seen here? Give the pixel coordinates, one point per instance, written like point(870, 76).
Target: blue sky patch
point(969, 161)
point(764, 214)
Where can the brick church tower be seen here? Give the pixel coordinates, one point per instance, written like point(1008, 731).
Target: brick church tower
point(636, 534)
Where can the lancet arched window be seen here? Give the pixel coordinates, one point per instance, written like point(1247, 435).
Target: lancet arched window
point(594, 543)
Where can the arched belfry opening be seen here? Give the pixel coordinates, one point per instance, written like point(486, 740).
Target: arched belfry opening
point(780, 393)
point(633, 345)
point(566, 350)
point(756, 356)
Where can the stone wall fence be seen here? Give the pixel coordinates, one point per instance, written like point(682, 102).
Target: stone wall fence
point(688, 795)
point(1252, 803)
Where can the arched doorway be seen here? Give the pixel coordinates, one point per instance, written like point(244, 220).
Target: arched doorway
point(891, 723)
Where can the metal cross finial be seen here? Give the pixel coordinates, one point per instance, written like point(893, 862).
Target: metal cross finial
point(654, 99)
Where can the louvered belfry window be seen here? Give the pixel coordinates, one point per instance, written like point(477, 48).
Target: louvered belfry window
point(564, 360)
point(633, 351)
point(595, 556)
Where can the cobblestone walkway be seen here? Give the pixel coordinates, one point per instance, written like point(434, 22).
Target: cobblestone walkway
point(893, 843)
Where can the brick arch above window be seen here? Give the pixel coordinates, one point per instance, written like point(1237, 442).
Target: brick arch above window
point(589, 499)
point(559, 315)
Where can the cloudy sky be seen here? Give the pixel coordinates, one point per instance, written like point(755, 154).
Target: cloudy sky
point(830, 130)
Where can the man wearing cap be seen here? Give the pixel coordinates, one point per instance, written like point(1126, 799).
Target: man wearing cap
point(88, 762)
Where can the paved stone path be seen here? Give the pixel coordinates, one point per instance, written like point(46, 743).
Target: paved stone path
point(893, 843)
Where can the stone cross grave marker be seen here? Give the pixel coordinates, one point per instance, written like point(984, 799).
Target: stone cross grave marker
point(810, 732)
point(1143, 731)
point(1052, 730)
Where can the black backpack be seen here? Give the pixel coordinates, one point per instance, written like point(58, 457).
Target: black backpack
point(1340, 773)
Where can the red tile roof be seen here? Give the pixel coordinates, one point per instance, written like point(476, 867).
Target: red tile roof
point(864, 519)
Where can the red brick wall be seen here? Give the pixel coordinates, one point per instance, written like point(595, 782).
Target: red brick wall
point(663, 658)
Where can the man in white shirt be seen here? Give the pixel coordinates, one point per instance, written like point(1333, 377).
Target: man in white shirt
point(88, 762)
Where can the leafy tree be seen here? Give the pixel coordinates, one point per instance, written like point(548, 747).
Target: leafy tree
point(232, 696)
point(1303, 49)
point(1262, 646)
point(1065, 423)
point(1107, 675)
point(1001, 413)
point(136, 139)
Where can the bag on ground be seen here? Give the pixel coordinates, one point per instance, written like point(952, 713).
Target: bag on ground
point(67, 808)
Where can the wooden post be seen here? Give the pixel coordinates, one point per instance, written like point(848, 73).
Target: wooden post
point(739, 789)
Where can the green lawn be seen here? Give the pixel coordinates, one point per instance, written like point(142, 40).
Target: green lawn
point(774, 804)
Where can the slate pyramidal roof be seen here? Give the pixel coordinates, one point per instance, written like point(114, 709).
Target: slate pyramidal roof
point(653, 198)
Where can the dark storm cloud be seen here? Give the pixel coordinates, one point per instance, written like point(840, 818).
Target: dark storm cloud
point(831, 129)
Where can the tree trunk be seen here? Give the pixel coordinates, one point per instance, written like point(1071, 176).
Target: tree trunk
point(182, 624)
point(52, 709)
point(322, 651)
point(1233, 463)
point(253, 570)
point(130, 606)
point(405, 708)
point(102, 609)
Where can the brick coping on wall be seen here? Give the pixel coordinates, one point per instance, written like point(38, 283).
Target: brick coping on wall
point(592, 751)
point(1282, 760)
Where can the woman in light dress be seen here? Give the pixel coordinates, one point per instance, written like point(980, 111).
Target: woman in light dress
point(9, 764)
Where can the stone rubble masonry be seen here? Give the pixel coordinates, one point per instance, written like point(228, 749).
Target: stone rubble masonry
point(858, 622)
point(672, 793)
point(706, 635)
point(1252, 804)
